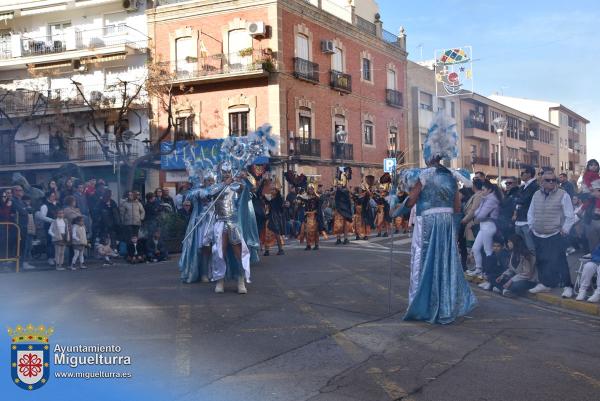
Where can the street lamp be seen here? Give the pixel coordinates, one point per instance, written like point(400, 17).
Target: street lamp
point(499, 124)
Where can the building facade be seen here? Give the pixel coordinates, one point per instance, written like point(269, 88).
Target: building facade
point(423, 104)
point(54, 57)
point(527, 140)
point(572, 137)
point(312, 69)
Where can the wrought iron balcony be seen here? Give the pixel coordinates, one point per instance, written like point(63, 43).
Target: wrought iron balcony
point(342, 151)
point(244, 64)
point(306, 147)
point(476, 160)
point(393, 98)
point(70, 40)
point(341, 81)
point(470, 123)
point(67, 150)
point(307, 70)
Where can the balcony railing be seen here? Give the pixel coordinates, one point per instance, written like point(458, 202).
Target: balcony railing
point(70, 150)
point(306, 147)
point(475, 124)
point(341, 81)
point(494, 162)
point(71, 39)
point(476, 160)
point(343, 151)
point(393, 98)
point(366, 26)
point(221, 64)
point(64, 99)
point(390, 38)
point(306, 70)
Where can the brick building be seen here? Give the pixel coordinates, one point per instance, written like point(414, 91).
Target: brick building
point(528, 139)
point(572, 136)
point(309, 68)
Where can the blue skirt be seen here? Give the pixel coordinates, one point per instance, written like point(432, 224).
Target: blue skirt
point(442, 294)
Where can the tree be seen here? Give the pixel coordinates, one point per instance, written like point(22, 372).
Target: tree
point(126, 98)
point(93, 112)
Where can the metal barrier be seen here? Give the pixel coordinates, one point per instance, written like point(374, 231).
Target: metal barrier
point(6, 235)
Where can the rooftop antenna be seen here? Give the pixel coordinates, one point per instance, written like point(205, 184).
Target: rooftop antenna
point(420, 47)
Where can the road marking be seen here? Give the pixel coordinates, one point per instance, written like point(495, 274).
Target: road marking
point(392, 389)
point(183, 338)
point(368, 281)
point(574, 374)
point(351, 349)
point(403, 241)
point(351, 248)
point(300, 327)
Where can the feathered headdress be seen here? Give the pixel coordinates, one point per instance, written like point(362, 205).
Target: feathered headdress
point(442, 139)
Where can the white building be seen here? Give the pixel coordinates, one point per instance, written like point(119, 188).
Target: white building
point(422, 105)
point(46, 46)
point(571, 144)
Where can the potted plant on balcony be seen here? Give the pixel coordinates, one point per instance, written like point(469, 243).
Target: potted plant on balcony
point(248, 51)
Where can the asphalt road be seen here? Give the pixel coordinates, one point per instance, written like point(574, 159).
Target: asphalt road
point(316, 326)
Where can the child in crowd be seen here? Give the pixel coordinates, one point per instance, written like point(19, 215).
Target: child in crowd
point(156, 251)
point(590, 269)
point(60, 232)
point(520, 275)
point(135, 251)
point(104, 251)
point(79, 242)
point(495, 264)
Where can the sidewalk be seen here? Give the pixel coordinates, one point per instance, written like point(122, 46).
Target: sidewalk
point(91, 263)
point(554, 297)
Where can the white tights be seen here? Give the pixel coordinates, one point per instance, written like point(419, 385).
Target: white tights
point(485, 240)
point(77, 254)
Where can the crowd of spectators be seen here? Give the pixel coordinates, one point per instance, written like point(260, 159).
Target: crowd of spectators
point(77, 219)
point(520, 237)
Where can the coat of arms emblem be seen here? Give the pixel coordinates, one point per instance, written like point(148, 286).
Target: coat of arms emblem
point(30, 356)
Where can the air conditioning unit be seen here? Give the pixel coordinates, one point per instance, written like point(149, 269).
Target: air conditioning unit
point(256, 28)
point(327, 46)
point(130, 5)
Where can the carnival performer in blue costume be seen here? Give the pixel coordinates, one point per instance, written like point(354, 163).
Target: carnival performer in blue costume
point(195, 259)
point(231, 256)
point(438, 291)
point(222, 238)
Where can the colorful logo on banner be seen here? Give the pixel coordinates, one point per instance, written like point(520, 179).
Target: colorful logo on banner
point(454, 71)
point(208, 149)
point(30, 356)
point(174, 158)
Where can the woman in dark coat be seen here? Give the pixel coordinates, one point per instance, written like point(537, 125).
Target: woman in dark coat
point(274, 227)
point(109, 216)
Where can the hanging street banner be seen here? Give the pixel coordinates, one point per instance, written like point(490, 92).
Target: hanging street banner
point(207, 149)
point(454, 71)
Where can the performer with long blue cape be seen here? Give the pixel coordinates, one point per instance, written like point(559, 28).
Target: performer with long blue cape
point(438, 291)
point(194, 262)
point(202, 232)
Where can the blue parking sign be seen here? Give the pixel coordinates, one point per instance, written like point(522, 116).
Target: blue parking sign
point(389, 165)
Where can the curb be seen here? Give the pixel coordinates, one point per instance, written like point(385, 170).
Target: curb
point(571, 304)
